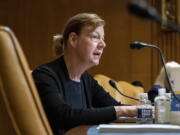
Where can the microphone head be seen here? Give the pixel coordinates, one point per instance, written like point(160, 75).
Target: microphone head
point(137, 45)
point(143, 10)
point(113, 84)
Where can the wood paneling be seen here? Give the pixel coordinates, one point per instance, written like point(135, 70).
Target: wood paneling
point(35, 22)
point(168, 41)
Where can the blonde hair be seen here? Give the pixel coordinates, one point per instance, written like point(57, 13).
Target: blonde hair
point(58, 46)
point(75, 24)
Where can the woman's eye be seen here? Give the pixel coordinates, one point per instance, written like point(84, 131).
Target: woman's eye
point(95, 38)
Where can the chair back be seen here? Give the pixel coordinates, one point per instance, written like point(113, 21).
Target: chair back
point(125, 88)
point(131, 91)
point(21, 112)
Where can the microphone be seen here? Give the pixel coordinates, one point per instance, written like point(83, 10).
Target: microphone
point(113, 84)
point(138, 45)
point(141, 9)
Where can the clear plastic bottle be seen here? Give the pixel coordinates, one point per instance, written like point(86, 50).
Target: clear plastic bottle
point(168, 95)
point(162, 107)
point(144, 110)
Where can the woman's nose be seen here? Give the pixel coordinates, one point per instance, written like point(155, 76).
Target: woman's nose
point(101, 44)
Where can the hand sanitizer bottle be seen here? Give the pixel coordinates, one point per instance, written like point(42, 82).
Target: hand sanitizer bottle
point(162, 107)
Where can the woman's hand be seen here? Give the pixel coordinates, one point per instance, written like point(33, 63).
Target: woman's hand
point(125, 111)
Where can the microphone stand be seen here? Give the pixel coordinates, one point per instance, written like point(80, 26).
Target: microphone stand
point(143, 10)
point(166, 73)
point(164, 65)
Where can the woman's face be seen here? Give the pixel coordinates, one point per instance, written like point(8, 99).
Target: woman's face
point(90, 45)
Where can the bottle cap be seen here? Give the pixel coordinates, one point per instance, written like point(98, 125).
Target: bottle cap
point(168, 95)
point(161, 91)
point(143, 96)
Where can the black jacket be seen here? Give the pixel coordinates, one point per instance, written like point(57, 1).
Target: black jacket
point(52, 81)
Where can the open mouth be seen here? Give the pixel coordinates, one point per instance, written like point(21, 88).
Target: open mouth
point(97, 53)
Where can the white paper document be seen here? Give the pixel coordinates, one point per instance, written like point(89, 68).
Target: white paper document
point(151, 128)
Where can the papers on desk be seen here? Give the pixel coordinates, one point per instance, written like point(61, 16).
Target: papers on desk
point(151, 128)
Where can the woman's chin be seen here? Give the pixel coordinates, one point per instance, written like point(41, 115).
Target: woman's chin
point(96, 62)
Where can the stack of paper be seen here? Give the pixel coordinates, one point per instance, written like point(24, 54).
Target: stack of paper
point(161, 128)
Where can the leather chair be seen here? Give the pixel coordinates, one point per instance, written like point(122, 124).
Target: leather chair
point(21, 112)
point(130, 90)
point(125, 87)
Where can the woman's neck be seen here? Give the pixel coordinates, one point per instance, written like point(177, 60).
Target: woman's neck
point(74, 67)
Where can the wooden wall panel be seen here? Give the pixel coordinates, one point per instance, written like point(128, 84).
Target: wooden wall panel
point(35, 22)
point(168, 41)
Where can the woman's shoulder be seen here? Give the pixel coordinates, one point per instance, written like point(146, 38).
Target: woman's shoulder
point(48, 69)
point(51, 67)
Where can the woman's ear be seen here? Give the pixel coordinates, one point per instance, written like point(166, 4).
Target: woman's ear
point(73, 37)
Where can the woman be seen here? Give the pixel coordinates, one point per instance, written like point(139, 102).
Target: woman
point(71, 96)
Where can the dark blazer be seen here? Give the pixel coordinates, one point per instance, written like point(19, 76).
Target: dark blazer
point(52, 81)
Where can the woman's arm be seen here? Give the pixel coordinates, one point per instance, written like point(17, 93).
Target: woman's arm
point(59, 112)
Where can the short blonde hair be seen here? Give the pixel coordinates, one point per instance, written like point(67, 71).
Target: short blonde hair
point(75, 24)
